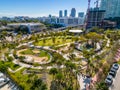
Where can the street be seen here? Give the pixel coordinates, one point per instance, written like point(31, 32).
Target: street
point(116, 81)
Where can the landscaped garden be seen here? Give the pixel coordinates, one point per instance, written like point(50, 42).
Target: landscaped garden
point(34, 55)
point(67, 62)
point(54, 41)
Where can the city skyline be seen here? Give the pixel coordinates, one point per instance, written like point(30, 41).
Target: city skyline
point(38, 8)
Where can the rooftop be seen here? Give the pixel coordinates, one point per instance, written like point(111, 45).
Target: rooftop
point(17, 24)
point(75, 31)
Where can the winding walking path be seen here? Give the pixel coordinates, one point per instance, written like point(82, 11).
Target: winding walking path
point(15, 70)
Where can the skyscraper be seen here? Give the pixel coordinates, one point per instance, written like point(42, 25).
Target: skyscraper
point(60, 13)
point(73, 12)
point(112, 8)
point(65, 13)
point(81, 14)
point(50, 15)
point(95, 17)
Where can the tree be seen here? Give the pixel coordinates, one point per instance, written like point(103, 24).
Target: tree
point(38, 85)
point(101, 86)
point(53, 39)
point(3, 66)
point(69, 73)
point(59, 63)
point(89, 56)
point(53, 71)
point(23, 30)
point(94, 37)
point(10, 58)
point(59, 78)
point(44, 40)
point(72, 57)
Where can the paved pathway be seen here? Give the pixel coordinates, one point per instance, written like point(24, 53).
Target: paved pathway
point(83, 81)
point(6, 87)
point(15, 70)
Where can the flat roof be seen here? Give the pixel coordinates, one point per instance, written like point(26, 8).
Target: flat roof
point(76, 31)
point(17, 24)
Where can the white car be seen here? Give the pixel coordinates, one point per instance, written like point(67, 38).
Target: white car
point(1, 74)
point(115, 66)
point(2, 80)
point(109, 80)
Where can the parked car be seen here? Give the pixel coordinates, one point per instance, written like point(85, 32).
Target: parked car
point(113, 70)
point(2, 80)
point(112, 73)
point(109, 80)
point(115, 66)
point(1, 74)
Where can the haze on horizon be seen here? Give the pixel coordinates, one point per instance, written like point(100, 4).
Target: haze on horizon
point(37, 8)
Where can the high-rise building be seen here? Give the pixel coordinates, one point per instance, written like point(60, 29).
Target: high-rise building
point(81, 14)
point(50, 15)
point(60, 13)
point(65, 13)
point(112, 8)
point(73, 12)
point(95, 17)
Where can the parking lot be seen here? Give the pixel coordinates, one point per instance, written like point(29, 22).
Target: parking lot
point(6, 83)
point(9, 86)
point(116, 82)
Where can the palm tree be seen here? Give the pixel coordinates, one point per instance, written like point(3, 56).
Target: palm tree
point(53, 39)
point(89, 56)
point(44, 41)
point(69, 73)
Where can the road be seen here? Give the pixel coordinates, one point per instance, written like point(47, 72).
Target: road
point(116, 82)
point(6, 87)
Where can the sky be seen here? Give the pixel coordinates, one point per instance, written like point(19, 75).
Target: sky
point(38, 8)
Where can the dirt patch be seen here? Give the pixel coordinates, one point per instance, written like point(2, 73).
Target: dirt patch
point(35, 58)
point(36, 51)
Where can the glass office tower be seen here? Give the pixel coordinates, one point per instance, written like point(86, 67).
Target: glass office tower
point(112, 8)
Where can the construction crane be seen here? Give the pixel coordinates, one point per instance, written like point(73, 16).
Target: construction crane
point(97, 3)
point(97, 8)
point(87, 15)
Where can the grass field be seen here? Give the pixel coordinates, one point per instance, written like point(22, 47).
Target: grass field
point(26, 80)
point(50, 42)
point(44, 54)
point(41, 53)
point(28, 52)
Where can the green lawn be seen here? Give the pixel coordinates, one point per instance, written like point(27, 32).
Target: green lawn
point(21, 79)
point(24, 80)
point(119, 62)
point(28, 51)
point(44, 54)
point(49, 42)
point(12, 65)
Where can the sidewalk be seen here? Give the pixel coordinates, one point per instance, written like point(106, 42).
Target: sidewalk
point(84, 82)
